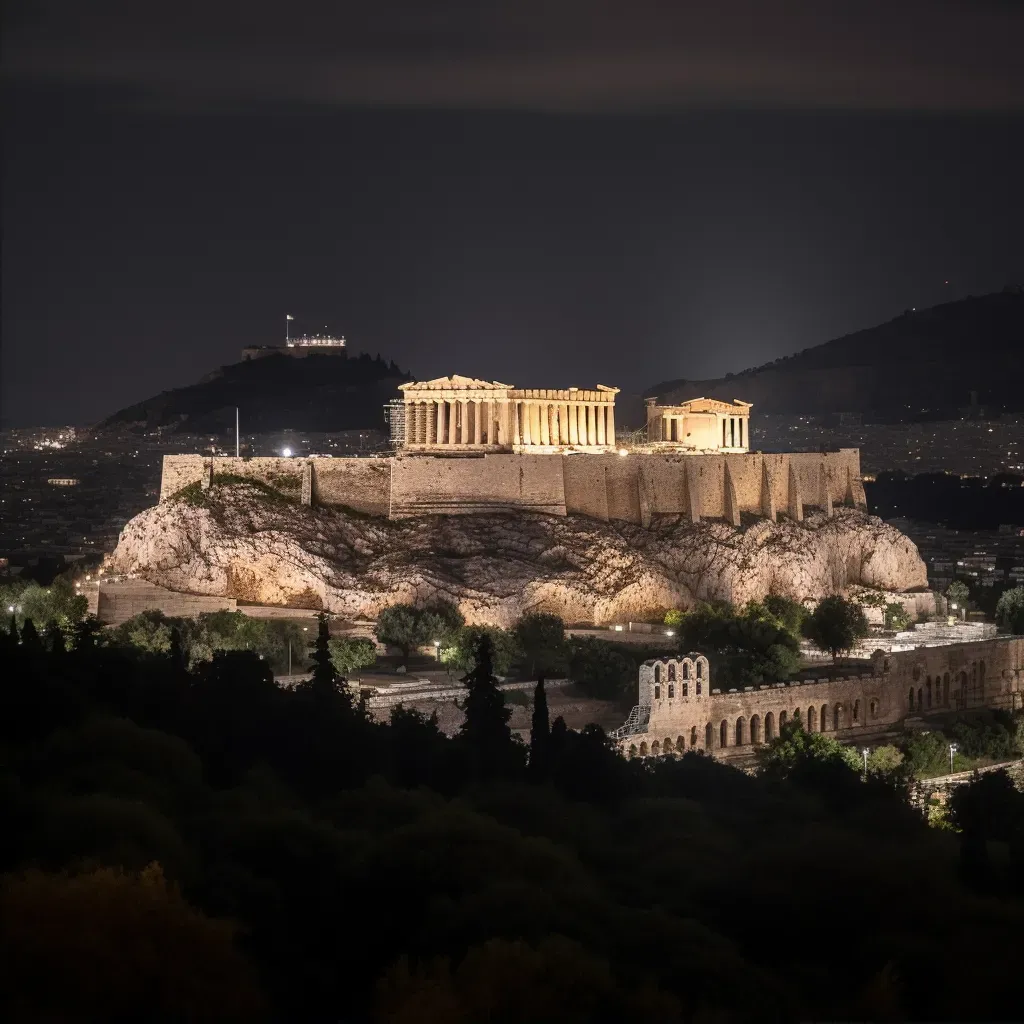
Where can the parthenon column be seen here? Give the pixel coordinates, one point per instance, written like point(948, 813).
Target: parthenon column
point(514, 411)
point(599, 409)
point(478, 407)
point(545, 432)
point(610, 428)
point(534, 408)
point(574, 433)
point(563, 423)
point(527, 422)
point(464, 435)
point(440, 423)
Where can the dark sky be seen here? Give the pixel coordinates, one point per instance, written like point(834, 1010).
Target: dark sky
point(542, 193)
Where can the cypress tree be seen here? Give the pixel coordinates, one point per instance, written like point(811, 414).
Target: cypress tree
point(325, 678)
point(176, 654)
point(540, 732)
point(485, 731)
point(30, 636)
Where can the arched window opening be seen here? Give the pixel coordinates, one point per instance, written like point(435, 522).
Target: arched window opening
point(671, 690)
point(928, 693)
point(873, 708)
point(812, 719)
point(657, 673)
point(837, 717)
point(723, 734)
point(824, 718)
point(657, 693)
point(672, 672)
point(667, 746)
point(755, 729)
point(680, 744)
point(798, 716)
point(783, 718)
point(856, 711)
point(709, 736)
point(740, 731)
point(655, 748)
point(700, 669)
point(632, 750)
point(693, 736)
point(643, 749)
point(686, 670)
point(700, 687)
point(769, 727)
point(686, 689)
point(910, 698)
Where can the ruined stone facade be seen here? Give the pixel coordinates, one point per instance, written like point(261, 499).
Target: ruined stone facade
point(678, 709)
point(465, 414)
point(701, 424)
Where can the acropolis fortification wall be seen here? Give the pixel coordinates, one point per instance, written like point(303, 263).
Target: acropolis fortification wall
point(631, 488)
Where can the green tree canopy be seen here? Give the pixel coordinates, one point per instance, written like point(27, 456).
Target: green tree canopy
point(896, 616)
point(836, 625)
point(958, 592)
point(462, 653)
point(1010, 610)
point(408, 627)
point(541, 639)
point(351, 653)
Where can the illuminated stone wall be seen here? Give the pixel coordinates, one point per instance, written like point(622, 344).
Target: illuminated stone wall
point(922, 683)
point(632, 488)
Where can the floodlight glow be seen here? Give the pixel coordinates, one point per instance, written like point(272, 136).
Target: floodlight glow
point(286, 452)
point(623, 452)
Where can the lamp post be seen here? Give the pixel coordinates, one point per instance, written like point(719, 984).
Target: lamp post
point(437, 650)
point(865, 751)
point(952, 750)
point(288, 318)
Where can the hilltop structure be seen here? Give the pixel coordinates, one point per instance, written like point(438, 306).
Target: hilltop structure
point(299, 348)
point(466, 446)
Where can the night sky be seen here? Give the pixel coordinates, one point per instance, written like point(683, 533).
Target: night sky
point(547, 194)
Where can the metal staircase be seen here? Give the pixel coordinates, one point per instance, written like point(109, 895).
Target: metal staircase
point(637, 722)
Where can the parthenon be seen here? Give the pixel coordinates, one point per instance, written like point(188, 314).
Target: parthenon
point(462, 413)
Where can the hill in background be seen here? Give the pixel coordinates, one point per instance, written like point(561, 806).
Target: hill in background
point(316, 393)
point(927, 360)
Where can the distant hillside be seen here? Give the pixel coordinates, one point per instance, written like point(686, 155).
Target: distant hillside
point(924, 361)
point(317, 393)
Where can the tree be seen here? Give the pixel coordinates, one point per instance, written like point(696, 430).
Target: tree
point(1010, 610)
point(674, 618)
point(787, 613)
point(988, 807)
point(485, 733)
point(351, 653)
point(794, 748)
point(462, 653)
point(325, 677)
point(957, 594)
point(407, 627)
point(896, 616)
point(836, 625)
point(541, 638)
point(540, 732)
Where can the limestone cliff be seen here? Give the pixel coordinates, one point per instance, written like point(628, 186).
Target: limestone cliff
point(235, 541)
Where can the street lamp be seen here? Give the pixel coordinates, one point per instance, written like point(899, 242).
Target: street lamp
point(952, 750)
point(865, 751)
point(437, 650)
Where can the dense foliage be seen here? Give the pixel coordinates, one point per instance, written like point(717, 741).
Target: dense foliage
point(1010, 610)
point(205, 845)
point(836, 625)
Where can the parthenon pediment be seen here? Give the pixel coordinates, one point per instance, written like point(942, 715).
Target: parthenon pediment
point(453, 382)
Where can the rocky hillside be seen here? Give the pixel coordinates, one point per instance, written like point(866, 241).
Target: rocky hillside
point(237, 541)
point(320, 393)
point(925, 360)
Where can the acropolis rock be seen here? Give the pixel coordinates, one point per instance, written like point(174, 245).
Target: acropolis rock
point(230, 541)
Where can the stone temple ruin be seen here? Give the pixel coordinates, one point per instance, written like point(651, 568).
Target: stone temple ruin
point(465, 446)
point(678, 708)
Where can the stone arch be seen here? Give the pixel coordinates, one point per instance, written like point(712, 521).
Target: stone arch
point(723, 734)
point(755, 729)
point(655, 748)
point(812, 719)
point(671, 690)
point(837, 717)
point(824, 718)
point(769, 727)
point(700, 687)
point(632, 750)
point(680, 744)
point(686, 689)
point(657, 672)
point(798, 716)
point(687, 666)
point(928, 692)
point(856, 711)
point(709, 736)
point(873, 709)
point(703, 671)
point(643, 749)
point(671, 671)
point(783, 718)
point(741, 737)
point(910, 699)
point(693, 736)
point(668, 746)
point(657, 692)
